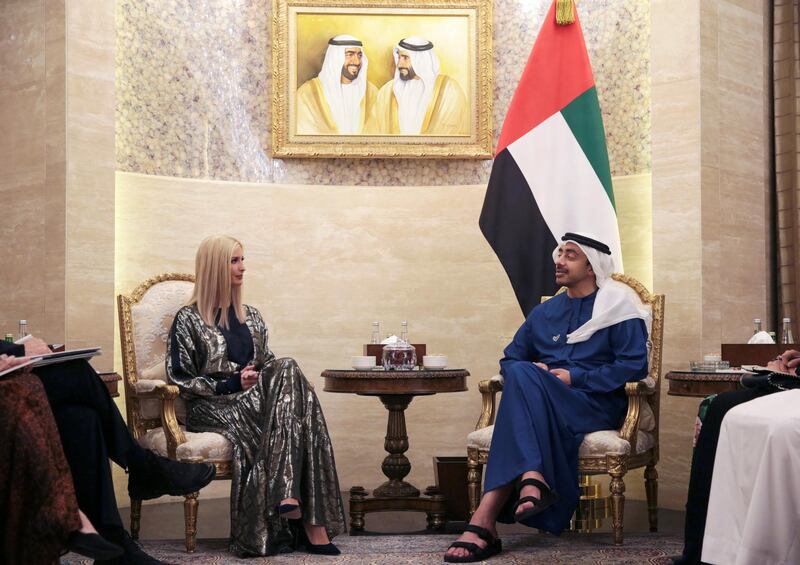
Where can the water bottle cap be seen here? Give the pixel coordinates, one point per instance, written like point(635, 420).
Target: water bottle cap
point(23, 321)
point(756, 320)
point(785, 320)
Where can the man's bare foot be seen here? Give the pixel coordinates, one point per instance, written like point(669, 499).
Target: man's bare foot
point(529, 490)
point(472, 537)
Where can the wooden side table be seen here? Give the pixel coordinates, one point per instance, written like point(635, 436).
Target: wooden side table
point(111, 380)
point(699, 385)
point(396, 390)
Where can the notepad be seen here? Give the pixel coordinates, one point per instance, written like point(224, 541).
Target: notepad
point(54, 358)
point(62, 356)
point(16, 368)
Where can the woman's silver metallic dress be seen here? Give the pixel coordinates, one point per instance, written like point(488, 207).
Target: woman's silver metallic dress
point(281, 446)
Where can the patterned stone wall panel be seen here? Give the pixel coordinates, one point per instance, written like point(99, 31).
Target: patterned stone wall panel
point(194, 92)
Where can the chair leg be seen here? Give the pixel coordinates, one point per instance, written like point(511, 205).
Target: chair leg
point(651, 489)
point(617, 504)
point(136, 517)
point(190, 518)
point(474, 475)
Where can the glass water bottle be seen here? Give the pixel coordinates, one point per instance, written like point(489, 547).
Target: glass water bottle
point(404, 331)
point(756, 325)
point(786, 332)
point(376, 333)
point(23, 329)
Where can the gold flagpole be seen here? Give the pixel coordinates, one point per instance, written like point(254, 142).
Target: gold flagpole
point(565, 12)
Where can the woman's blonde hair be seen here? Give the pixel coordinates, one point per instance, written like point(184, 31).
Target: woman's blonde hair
point(212, 287)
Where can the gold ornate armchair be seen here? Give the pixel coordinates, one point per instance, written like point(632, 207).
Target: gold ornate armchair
point(611, 452)
point(155, 411)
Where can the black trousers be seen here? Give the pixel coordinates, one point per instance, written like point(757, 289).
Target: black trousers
point(92, 432)
point(703, 469)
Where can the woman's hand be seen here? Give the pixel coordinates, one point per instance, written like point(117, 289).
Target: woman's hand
point(8, 361)
point(36, 346)
point(249, 377)
point(786, 362)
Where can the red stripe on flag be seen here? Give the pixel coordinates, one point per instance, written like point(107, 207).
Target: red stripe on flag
point(558, 71)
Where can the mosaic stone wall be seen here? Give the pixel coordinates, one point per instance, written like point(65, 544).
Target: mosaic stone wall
point(194, 92)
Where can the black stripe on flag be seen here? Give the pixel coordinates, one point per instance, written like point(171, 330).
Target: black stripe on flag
point(513, 225)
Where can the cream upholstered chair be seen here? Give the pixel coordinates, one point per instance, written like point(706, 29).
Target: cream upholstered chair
point(155, 411)
point(611, 452)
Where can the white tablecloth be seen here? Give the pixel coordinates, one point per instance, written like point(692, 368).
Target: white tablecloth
point(754, 509)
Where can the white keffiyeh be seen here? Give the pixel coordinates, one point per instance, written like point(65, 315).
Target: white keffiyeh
point(615, 302)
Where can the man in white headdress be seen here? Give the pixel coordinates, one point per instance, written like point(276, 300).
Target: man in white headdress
point(565, 374)
point(340, 100)
point(421, 100)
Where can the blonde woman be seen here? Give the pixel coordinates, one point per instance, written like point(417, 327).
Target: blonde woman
point(283, 459)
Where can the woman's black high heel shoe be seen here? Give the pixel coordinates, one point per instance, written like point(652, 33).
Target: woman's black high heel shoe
point(302, 543)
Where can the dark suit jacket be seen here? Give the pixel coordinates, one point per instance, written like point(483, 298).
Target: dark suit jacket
point(7, 348)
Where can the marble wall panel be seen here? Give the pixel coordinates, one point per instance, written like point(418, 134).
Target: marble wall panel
point(633, 195)
point(743, 151)
point(22, 163)
point(55, 168)
point(193, 92)
point(677, 240)
point(675, 29)
point(89, 217)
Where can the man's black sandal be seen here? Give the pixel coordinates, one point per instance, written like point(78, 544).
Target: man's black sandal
point(476, 553)
point(546, 499)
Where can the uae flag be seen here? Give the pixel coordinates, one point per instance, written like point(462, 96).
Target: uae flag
point(550, 173)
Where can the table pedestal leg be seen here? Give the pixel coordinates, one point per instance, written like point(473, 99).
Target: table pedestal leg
point(357, 497)
point(396, 465)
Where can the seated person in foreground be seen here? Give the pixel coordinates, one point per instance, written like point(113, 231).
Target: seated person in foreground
point(706, 451)
point(565, 374)
point(40, 516)
point(92, 432)
point(283, 466)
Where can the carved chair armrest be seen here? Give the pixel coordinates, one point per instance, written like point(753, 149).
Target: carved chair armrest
point(169, 421)
point(488, 389)
point(636, 393)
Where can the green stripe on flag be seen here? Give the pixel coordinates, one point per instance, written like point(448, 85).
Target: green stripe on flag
point(586, 123)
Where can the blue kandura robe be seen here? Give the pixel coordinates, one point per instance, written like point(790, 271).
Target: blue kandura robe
point(541, 421)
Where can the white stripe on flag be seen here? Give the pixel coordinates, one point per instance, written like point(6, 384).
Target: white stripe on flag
point(568, 192)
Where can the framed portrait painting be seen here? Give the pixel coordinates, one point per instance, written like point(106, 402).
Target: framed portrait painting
point(379, 78)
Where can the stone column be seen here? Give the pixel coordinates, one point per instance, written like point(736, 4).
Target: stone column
point(710, 224)
point(57, 171)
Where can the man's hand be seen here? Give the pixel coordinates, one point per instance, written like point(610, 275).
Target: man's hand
point(35, 346)
point(249, 377)
point(562, 375)
point(541, 366)
point(8, 361)
point(786, 362)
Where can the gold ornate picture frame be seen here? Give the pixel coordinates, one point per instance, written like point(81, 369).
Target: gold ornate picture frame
point(381, 78)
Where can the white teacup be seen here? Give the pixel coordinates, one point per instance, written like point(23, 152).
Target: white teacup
point(434, 361)
point(363, 362)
